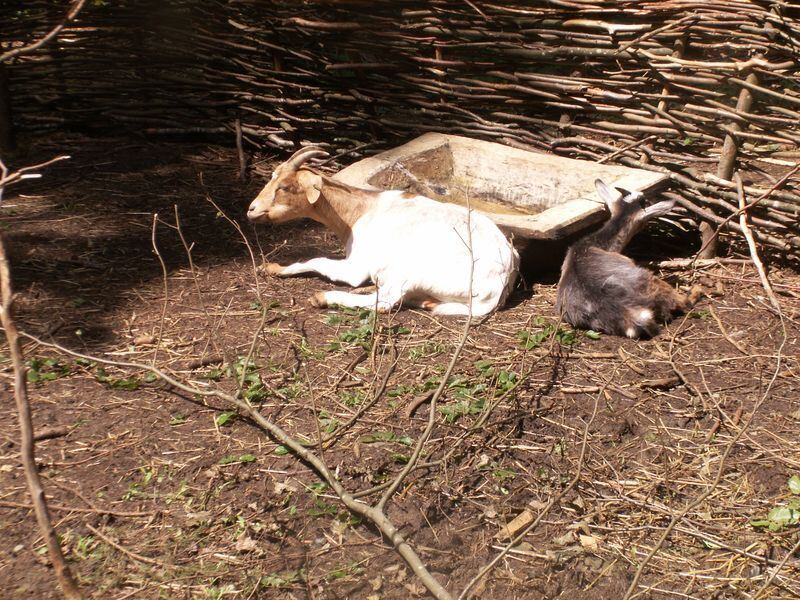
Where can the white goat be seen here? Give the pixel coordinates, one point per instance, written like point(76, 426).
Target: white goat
point(416, 250)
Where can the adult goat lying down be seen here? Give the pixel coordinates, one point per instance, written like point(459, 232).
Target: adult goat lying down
point(416, 250)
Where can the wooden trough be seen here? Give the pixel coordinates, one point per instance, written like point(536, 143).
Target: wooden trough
point(529, 195)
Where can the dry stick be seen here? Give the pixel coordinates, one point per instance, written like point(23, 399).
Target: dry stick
point(23, 173)
point(751, 243)
point(63, 574)
point(727, 162)
point(193, 271)
point(776, 570)
point(649, 34)
point(415, 455)
point(253, 346)
point(378, 393)
point(263, 322)
point(240, 150)
point(545, 510)
point(698, 263)
point(477, 425)
point(241, 233)
point(64, 508)
point(747, 207)
point(386, 527)
point(724, 332)
point(166, 289)
point(73, 12)
point(125, 551)
point(3, 177)
point(624, 149)
point(671, 357)
point(676, 518)
point(409, 466)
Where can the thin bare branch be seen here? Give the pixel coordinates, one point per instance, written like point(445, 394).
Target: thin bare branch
point(27, 451)
point(76, 7)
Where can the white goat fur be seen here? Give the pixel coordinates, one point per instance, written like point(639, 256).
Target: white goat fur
point(416, 250)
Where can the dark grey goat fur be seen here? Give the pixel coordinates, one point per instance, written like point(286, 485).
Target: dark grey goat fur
point(603, 290)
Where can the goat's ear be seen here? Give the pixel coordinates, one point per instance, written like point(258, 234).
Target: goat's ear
point(311, 183)
point(609, 196)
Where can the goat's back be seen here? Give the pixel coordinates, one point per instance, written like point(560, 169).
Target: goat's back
point(606, 291)
point(432, 246)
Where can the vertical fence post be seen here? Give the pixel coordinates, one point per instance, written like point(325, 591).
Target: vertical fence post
point(727, 160)
point(726, 165)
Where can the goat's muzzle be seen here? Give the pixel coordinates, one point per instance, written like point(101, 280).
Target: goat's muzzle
point(256, 215)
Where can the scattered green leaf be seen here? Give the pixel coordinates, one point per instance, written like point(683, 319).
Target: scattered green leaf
point(386, 436)
point(703, 315)
point(323, 509)
point(46, 369)
point(282, 580)
point(504, 474)
point(177, 419)
point(224, 418)
point(231, 459)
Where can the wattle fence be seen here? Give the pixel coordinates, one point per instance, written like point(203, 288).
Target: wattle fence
point(693, 89)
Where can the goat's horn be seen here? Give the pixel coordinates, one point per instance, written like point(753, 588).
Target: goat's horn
point(304, 155)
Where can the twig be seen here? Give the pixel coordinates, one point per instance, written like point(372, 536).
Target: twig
point(386, 527)
point(165, 278)
point(238, 228)
point(49, 433)
point(92, 510)
point(209, 321)
point(125, 551)
point(73, 12)
point(557, 498)
point(23, 173)
point(676, 518)
point(649, 34)
point(412, 406)
point(240, 151)
point(423, 438)
point(671, 358)
point(63, 573)
point(777, 570)
point(698, 263)
point(724, 332)
point(624, 149)
point(752, 243)
point(743, 209)
point(377, 395)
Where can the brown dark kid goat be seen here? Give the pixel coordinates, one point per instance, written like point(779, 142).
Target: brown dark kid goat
point(603, 290)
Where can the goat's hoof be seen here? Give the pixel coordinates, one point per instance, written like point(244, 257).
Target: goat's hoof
point(270, 269)
point(318, 300)
point(429, 304)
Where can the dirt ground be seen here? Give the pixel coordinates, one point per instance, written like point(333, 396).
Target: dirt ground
point(160, 493)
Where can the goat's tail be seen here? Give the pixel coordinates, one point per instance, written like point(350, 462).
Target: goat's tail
point(639, 321)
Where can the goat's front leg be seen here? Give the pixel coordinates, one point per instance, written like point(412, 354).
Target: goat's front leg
point(343, 271)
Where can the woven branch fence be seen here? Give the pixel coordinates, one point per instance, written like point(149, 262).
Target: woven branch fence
point(693, 89)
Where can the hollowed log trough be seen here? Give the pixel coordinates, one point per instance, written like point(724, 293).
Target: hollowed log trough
point(529, 195)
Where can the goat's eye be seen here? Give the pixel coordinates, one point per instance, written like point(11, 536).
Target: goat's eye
point(283, 188)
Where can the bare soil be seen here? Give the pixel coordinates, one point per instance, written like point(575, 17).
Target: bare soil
point(193, 501)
